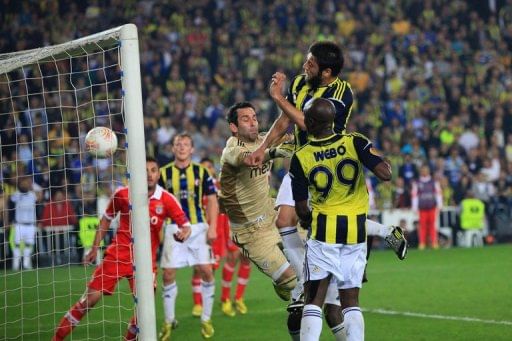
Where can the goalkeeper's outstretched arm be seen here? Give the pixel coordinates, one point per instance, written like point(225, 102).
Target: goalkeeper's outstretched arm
point(276, 132)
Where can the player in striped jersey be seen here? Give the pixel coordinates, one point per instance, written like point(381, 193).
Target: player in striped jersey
point(189, 182)
point(328, 170)
point(323, 64)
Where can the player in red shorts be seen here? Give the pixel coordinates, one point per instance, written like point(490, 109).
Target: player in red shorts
point(222, 247)
point(118, 261)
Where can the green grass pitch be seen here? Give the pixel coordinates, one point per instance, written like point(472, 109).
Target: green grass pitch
point(449, 294)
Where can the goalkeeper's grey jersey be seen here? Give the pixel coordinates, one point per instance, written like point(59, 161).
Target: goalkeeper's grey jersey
point(244, 194)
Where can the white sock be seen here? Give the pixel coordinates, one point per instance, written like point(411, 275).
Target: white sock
point(27, 256)
point(354, 323)
point(311, 323)
point(16, 258)
point(299, 289)
point(374, 228)
point(339, 332)
point(208, 293)
point(169, 294)
point(293, 248)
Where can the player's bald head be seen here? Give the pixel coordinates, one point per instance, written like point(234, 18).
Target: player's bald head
point(319, 115)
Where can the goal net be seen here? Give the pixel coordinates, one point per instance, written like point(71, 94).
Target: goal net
point(53, 192)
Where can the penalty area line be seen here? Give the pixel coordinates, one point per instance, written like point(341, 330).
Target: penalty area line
point(438, 317)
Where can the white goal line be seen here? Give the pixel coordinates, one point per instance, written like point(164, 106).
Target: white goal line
point(435, 316)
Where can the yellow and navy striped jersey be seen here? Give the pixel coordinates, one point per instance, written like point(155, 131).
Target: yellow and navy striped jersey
point(188, 185)
point(338, 91)
point(330, 169)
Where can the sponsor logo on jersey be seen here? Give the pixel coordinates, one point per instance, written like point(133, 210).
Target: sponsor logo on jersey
point(257, 171)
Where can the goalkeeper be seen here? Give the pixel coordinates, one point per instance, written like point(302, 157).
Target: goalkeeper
point(245, 199)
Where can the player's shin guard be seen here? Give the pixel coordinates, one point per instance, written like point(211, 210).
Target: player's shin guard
point(169, 294)
point(196, 290)
point(70, 321)
point(311, 324)
point(244, 271)
point(293, 248)
point(208, 293)
point(131, 332)
point(227, 275)
point(354, 323)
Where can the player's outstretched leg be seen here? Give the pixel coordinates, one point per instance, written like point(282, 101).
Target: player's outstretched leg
point(293, 245)
point(75, 314)
point(131, 332)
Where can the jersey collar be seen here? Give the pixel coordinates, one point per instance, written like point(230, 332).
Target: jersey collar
point(323, 86)
point(325, 141)
point(158, 193)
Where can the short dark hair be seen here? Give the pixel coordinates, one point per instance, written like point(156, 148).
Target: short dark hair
point(328, 56)
point(151, 159)
point(232, 115)
point(182, 135)
point(207, 159)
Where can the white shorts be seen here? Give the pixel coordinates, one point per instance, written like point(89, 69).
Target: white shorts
point(285, 194)
point(345, 262)
point(333, 294)
point(195, 250)
point(25, 233)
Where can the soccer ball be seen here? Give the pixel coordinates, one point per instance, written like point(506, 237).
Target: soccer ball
point(101, 142)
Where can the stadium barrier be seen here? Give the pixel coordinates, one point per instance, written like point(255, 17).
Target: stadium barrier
point(57, 244)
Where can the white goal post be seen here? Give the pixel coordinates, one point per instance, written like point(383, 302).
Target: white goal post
point(90, 107)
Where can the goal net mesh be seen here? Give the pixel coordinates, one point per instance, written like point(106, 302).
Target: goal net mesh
point(53, 191)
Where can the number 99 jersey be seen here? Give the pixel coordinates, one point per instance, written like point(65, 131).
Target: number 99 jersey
point(331, 171)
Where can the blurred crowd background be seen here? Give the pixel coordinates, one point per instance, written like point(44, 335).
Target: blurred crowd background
point(432, 81)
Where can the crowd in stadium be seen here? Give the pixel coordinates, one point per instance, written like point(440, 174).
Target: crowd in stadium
point(432, 79)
